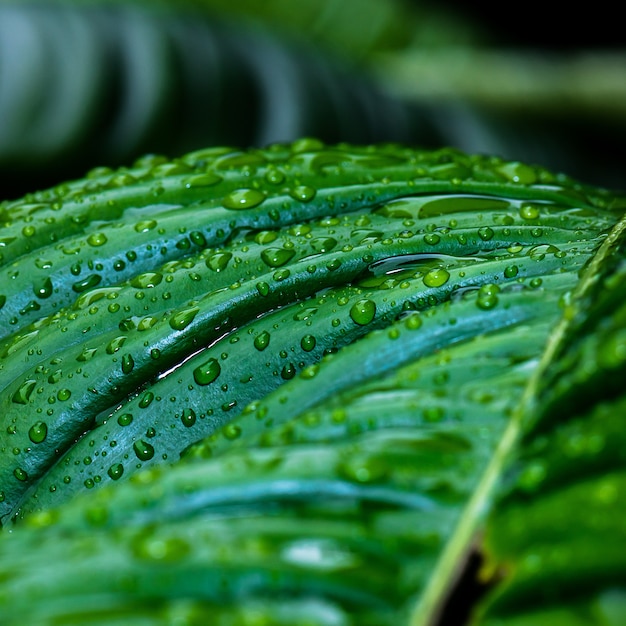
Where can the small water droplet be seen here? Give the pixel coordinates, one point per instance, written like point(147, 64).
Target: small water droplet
point(276, 257)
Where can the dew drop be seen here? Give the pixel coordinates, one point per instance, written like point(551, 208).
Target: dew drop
point(128, 363)
point(115, 471)
point(436, 277)
point(243, 199)
point(262, 340)
point(143, 450)
point(38, 432)
point(363, 312)
point(188, 418)
point(44, 290)
point(206, 373)
point(22, 395)
point(276, 257)
point(97, 239)
point(308, 342)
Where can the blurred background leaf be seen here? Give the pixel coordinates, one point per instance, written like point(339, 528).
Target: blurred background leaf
point(85, 83)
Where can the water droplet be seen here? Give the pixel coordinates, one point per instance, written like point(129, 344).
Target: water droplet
point(302, 193)
point(263, 288)
point(22, 395)
point(323, 244)
point(38, 432)
point(207, 372)
point(97, 239)
point(413, 322)
point(143, 450)
point(64, 394)
point(147, 280)
point(128, 363)
point(218, 261)
point(279, 275)
point(529, 212)
point(125, 419)
point(485, 233)
point(20, 474)
point(262, 340)
point(288, 371)
point(115, 471)
point(363, 312)
point(232, 431)
point(182, 319)
point(518, 173)
point(91, 281)
point(145, 225)
point(202, 180)
point(436, 277)
point(276, 257)
point(511, 271)
point(86, 354)
point(115, 344)
point(146, 400)
point(307, 343)
point(432, 239)
point(188, 418)
point(44, 290)
point(243, 199)
point(487, 297)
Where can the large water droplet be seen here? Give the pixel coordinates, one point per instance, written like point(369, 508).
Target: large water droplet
point(143, 450)
point(262, 340)
point(243, 199)
point(276, 257)
point(207, 372)
point(436, 277)
point(363, 312)
point(22, 395)
point(38, 432)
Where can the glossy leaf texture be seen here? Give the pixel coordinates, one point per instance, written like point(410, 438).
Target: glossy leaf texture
point(556, 538)
point(338, 348)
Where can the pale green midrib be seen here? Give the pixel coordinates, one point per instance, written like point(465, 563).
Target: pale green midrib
point(429, 604)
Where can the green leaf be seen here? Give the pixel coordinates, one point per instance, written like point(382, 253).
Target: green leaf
point(382, 395)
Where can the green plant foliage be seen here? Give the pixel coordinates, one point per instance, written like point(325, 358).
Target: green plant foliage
point(281, 386)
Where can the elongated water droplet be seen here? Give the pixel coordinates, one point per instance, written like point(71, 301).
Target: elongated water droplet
point(182, 319)
point(243, 199)
point(22, 395)
point(128, 363)
point(89, 282)
point(147, 280)
point(276, 257)
point(218, 261)
point(115, 344)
